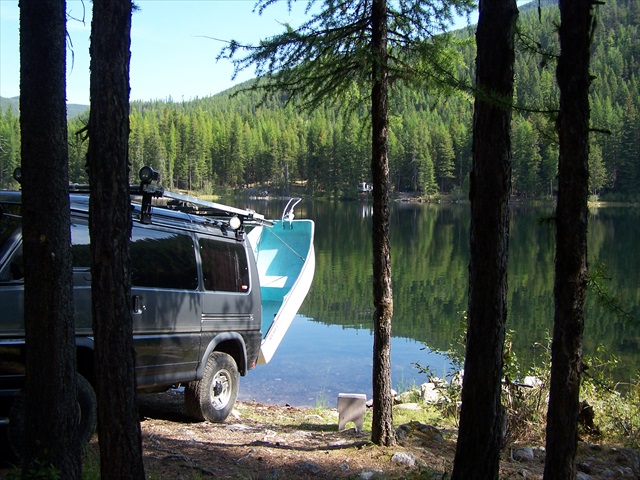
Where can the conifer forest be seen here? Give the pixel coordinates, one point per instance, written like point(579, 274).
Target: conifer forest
point(239, 139)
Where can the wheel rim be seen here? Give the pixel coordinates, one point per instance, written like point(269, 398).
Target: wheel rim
point(220, 393)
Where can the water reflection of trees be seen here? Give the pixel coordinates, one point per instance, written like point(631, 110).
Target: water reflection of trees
point(430, 259)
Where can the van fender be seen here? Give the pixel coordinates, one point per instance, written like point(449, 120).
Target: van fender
point(85, 342)
point(227, 342)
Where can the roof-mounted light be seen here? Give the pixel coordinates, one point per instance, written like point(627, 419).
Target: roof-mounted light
point(148, 175)
point(235, 222)
point(17, 175)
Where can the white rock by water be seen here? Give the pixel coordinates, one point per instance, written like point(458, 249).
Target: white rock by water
point(523, 454)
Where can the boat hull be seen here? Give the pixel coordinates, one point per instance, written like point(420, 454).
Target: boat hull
point(285, 259)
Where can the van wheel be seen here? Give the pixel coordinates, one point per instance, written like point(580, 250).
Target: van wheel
point(87, 408)
point(88, 403)
point(212, 397)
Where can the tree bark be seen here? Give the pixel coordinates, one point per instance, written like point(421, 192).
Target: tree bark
point(110, 229)
point(570, 286)
point(382, 431)
point(50, 402)
point(480, 432)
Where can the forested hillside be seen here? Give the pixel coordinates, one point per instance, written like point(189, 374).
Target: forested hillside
point(236, 141)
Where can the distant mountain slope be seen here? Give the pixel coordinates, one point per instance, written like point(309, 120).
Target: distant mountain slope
point(9, 102)
point(73, 109)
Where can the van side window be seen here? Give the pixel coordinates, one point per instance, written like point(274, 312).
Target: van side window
point(80, 247)
point(158, 259)
point(163, 260)
point(224, 266)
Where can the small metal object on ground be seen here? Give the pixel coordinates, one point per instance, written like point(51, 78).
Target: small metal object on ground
point(351, 408)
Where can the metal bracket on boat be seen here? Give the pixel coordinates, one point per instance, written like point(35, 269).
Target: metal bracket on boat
point(288, 213)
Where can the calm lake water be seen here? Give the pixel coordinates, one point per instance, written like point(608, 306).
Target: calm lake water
point(329, 347)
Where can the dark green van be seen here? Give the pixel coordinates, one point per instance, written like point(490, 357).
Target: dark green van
point(196, 306)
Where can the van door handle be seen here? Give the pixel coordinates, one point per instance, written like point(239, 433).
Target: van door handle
point(136, 304)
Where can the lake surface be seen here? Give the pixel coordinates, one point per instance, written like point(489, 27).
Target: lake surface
point(329, 347)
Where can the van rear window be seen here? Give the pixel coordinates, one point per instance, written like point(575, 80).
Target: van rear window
point(224, 266)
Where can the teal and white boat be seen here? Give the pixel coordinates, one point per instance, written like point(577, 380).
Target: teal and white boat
point(285, 259)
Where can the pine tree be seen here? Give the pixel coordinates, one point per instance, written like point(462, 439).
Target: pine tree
point(50, 409)
point(570, 285)
point(480, 433)
point(363, 43)
point(110, 230)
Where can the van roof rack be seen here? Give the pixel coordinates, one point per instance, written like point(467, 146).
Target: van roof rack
point(197, 206)
point(185, 203)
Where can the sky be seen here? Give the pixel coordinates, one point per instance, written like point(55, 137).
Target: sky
point(170, 56)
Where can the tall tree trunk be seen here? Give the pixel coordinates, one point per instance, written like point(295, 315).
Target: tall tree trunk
point(382, 432)
point(51, 409)
point(110, 228)
point(480, 432)
point(571, 238)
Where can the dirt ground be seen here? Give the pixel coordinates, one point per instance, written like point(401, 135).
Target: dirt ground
point(281, 442)
point(274, 442)
point(270, 442)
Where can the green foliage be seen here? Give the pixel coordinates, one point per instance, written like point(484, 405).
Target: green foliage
point(449, 388)
point(616, 405)
point(37, 472)
point(524, 394)
point(321, 403)
point(9, 146)
point(91, 464)
point(524, 391)
point(425, 415)
point(604, 297)
point(331, 52)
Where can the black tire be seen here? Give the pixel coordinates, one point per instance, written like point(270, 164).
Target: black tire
point(88, 410)
point(88, 403)
point(212, 398)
